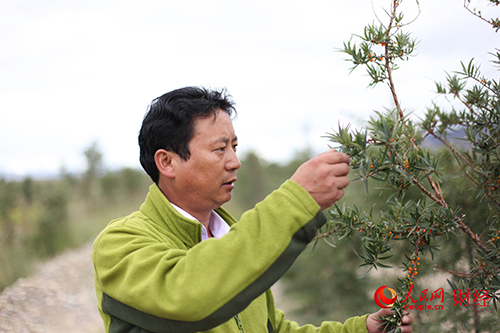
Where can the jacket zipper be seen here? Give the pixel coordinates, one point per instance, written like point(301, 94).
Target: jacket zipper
point(238, 322)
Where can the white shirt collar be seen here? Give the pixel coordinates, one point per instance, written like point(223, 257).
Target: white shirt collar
point(218, 227)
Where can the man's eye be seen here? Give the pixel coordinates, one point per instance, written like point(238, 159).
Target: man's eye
point(235, 147)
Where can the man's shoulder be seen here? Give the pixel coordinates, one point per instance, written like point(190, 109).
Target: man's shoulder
point(134, 224)
point(136, 220)
point(131, 232)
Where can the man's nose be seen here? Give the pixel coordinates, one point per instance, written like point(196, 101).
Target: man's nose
point(234, 162)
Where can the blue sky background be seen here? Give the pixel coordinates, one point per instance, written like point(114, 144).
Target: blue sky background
point(74, 72)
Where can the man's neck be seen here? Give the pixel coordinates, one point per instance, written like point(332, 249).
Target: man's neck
point(201, 215)
point(202, 218)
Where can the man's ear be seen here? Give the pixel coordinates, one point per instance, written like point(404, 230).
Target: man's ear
point(163, 161)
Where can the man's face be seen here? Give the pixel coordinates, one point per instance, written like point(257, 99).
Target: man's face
point(206, 179)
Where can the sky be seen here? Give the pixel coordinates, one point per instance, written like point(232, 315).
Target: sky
point(83, 71)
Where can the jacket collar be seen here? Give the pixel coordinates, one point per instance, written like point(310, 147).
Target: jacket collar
point(160, 211)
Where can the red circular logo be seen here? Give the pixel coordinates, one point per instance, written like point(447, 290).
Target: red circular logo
point(382, 300)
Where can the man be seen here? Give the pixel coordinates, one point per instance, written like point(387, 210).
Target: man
point(182, 263)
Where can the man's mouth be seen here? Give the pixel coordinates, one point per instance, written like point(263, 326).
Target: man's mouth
point(230, 183)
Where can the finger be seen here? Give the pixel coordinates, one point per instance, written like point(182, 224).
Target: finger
point(334, 157)
point(406, 329)
point(407, 320)
point(342, 182)
point(340, 169)
point(340, 195)
point(384, 312)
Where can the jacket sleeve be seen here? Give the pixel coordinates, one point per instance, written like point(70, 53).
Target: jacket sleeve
point(282, 325)
point(351, 325)
point(160, 287)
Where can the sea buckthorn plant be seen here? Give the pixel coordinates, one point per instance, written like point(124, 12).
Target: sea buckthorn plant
point(419, 215)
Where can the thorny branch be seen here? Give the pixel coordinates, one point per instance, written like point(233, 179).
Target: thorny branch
point(462, 275)
point(428, 193)
point(388, 64)
point(473, 12)
point(458, 157)
point(474, 237)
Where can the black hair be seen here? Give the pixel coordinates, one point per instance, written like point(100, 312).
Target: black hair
point(169, 122)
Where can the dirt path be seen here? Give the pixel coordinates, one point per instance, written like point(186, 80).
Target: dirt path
point(59, 297)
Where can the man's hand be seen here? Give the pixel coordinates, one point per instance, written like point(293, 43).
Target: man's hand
point(324, 177)
point(373, 321)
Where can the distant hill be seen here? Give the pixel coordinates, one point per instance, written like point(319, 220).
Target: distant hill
point(456, 138)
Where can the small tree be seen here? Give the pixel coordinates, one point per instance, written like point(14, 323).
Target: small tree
point(418, 214)
point(93, 157)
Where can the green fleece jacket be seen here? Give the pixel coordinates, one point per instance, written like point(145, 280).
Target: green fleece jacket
point(153, 273)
